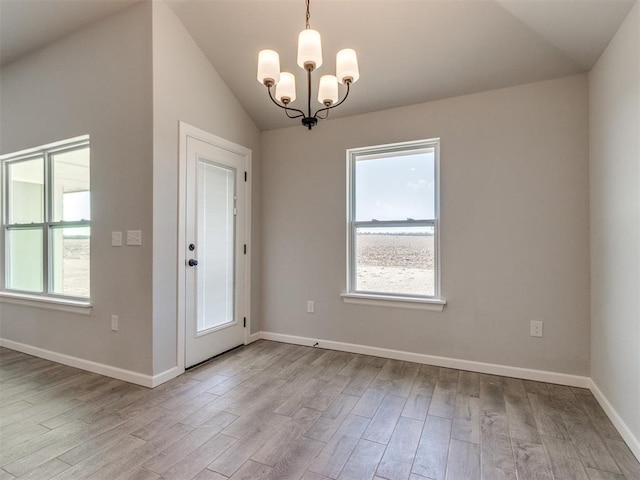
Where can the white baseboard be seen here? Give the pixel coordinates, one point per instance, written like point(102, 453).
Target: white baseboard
point(480, 367)
point(100, 368)
point(632, 441)
point(165, 376)
point(254, 337)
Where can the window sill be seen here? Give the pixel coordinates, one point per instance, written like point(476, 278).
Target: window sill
point(73, 306)
point(432, 304)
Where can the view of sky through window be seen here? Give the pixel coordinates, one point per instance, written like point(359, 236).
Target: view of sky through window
point(395, 188)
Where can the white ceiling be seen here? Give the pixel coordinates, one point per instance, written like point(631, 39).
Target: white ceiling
point(26, 25)
point(409, 51)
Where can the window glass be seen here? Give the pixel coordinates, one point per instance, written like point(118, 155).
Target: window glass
point(47, 221)
point(70, 189)
point(24, 259)
point(395, 187)
point(26, 191)
point(393, 222)
point(70, 273)
point(395, 260)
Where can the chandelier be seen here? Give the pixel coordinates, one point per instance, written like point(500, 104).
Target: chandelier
point(309, 58)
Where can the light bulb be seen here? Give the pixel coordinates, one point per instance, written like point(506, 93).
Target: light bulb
point(286, 89)
point(328, 90)
point(347, 66)
point(309, 49)
point(268, 67)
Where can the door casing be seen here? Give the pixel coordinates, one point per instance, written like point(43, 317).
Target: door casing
point(184, 131)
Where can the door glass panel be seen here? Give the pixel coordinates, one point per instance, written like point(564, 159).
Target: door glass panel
point(215, 247)
point(26, 191)
point(24, 262)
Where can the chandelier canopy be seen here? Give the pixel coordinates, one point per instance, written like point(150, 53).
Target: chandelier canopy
point(309, 59)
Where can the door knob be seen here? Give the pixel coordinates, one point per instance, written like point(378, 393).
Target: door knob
point(192, 262)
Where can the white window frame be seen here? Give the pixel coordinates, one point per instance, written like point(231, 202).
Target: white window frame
point(352, 295)
point(39, 299)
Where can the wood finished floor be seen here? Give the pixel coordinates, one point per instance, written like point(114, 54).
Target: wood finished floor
point(278, 411)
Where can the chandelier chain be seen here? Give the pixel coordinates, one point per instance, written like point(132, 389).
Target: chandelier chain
point(308, 15)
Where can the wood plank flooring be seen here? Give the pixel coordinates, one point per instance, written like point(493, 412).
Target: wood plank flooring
point(277, 411)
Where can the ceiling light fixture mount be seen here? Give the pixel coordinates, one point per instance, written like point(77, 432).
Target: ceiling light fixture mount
point(309, 59)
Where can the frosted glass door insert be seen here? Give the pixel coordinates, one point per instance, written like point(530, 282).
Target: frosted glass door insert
point(216, 240)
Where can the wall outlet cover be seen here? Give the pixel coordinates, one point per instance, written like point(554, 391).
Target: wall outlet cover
point(134, 237)
point(536, 328)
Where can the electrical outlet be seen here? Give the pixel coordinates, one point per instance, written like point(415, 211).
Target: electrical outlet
point(311, 307)
point(536, 328)
point(114, 323)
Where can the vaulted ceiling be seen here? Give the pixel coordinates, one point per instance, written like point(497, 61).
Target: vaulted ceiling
point(409, 51)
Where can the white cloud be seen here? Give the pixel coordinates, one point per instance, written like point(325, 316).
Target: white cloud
point(419, 185)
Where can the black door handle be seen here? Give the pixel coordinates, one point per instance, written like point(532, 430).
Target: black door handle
point(192, 262)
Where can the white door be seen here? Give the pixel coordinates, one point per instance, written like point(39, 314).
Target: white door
point(214, 250)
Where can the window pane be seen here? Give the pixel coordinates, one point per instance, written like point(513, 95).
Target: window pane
point(26, 191)
point(24, 260)
point(395, 187)
point(70, 189)
point(398, 260)
point(70, 261)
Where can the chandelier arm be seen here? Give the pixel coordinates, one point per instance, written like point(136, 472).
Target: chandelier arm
point(326, 109)
point(299, 115)
point(322, 118)
point(284, 107)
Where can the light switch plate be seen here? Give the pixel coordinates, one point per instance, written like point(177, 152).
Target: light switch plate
point(116, 239)
point(134, 237)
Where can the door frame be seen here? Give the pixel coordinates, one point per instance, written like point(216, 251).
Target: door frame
point(184, 131)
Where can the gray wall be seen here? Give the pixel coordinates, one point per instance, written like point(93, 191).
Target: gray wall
point(515, 232)
point(126, 81)
point(614, 85)
point(97, 82)
point(186, 87)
